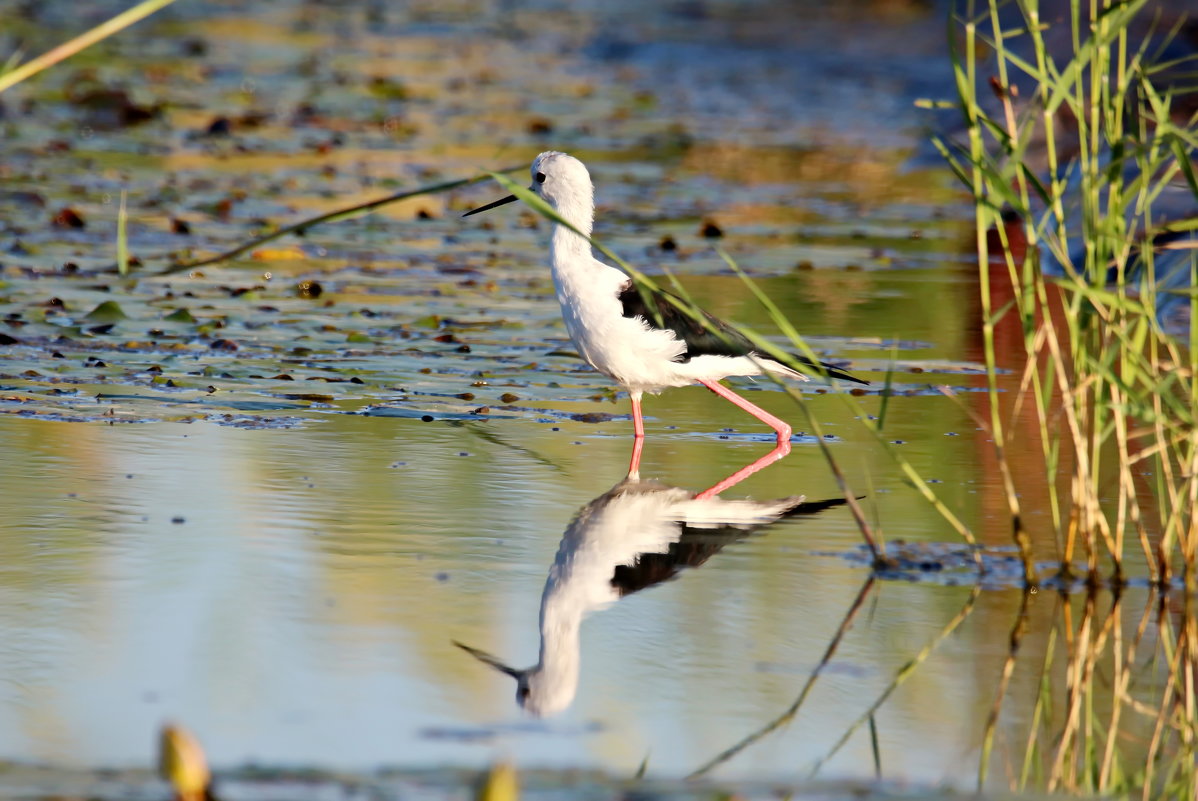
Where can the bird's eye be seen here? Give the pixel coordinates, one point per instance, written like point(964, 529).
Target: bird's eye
point(522, 694)
point(540, 177)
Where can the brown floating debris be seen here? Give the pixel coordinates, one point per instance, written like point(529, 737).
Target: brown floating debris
point(307, 396)
point(68, 218)
point(593, 417)
point(109, 108)
point(221, 126)
point(309, 289)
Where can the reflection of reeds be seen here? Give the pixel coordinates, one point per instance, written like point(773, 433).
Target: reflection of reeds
point(1114, 732)
point(793, 710)
point(901, 675)
point(1008, 668)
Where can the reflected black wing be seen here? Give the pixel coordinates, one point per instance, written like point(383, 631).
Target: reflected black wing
point(693, 548)
point(716, 338)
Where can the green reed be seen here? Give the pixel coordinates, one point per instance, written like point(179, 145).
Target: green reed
point(13, 73)
point(1077, 149)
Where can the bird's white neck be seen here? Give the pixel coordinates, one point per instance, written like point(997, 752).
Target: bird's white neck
point(554, 680)
point(566, 245)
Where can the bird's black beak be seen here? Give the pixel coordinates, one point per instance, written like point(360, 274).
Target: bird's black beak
point(483, 656)
point(501, 202)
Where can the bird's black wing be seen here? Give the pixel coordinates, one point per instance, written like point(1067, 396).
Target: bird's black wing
point(700, 339)
point(716, 338)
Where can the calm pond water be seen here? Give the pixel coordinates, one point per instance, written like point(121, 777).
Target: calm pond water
point(271, 516)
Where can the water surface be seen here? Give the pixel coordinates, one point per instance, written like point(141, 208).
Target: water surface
point(270, 518)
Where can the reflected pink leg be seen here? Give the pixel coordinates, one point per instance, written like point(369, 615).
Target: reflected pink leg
point(781, 428)
point(638, 433)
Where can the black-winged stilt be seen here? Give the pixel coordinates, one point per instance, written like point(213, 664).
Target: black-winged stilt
point(643, 349)
point(637, 534)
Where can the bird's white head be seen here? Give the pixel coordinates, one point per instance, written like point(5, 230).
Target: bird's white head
point(539, 692)
point(563, 182)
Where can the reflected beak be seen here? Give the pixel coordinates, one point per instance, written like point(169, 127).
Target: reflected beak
point(483, 656)
point(501, 202)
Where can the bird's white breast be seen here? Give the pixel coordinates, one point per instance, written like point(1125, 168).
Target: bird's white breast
point(628, 350)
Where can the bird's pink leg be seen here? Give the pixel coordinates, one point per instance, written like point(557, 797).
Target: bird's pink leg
point(781, 428)
point(638, 433)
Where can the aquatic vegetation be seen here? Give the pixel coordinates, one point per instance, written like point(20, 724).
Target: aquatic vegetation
point(14, 73)
point(182, 763)
point(1110, 382)
point(1078, 154)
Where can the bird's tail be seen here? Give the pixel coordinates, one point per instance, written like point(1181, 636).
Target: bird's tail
point(830, 370)
point(812, 507)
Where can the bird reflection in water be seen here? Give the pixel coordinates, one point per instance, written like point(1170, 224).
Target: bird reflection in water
point(635, 535)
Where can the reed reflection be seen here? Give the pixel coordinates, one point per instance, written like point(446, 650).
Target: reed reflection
point(637, 534)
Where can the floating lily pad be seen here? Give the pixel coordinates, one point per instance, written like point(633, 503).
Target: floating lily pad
point(107, 312)
point(429, 415)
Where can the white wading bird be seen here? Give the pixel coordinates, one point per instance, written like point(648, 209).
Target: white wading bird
point(645, 347)
point(633, 536)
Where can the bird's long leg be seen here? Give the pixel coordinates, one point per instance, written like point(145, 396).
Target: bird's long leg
point(781, 428)
point(638, 433)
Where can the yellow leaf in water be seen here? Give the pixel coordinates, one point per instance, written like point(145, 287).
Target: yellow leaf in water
point(500, 784)
point(278, 254)
point(181, 762)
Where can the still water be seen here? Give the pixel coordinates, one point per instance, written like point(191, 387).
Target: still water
point(293, 598)
point(270, 518)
